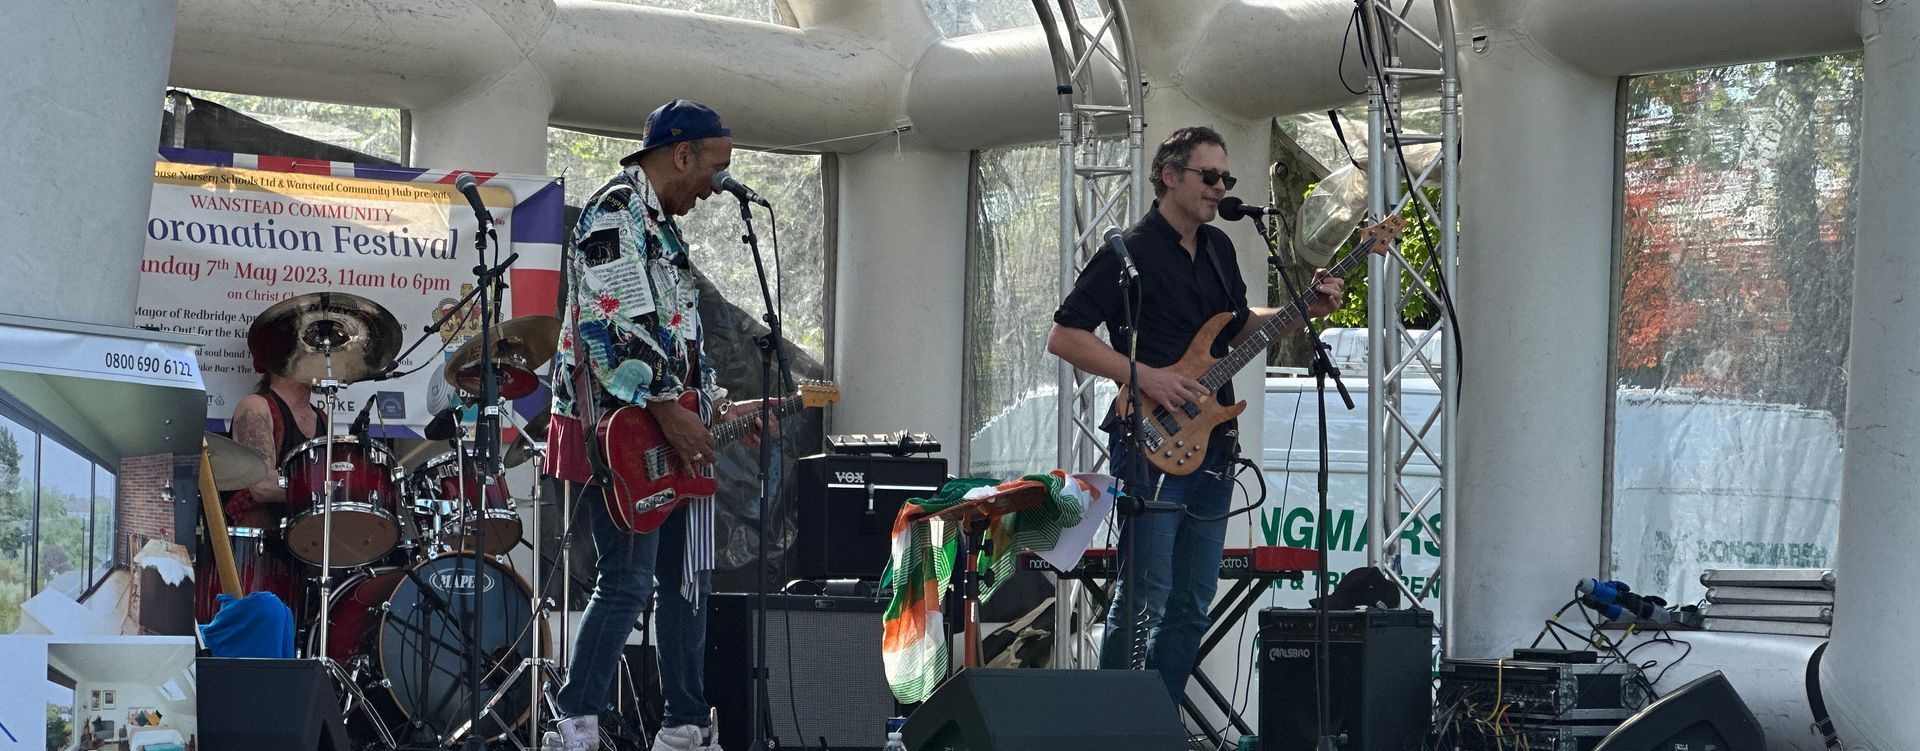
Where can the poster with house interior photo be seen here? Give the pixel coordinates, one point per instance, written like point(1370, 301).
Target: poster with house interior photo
point(100, 431)
point(152, 679)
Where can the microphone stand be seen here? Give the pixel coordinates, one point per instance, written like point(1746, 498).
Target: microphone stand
point(772, 352)
point(1322, 369)
point(490, 283)
point(1131, 509)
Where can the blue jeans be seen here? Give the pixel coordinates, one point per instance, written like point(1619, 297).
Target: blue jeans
point(1176, 562)
point(628, 566)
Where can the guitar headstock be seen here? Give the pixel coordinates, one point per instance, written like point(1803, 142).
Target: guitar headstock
point(1376, 238)
point(815, 394)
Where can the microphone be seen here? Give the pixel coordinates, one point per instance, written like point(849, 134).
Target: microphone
point(1233, 209)
point(468, 186)
point(724, 181)
point(1115, 239)
point(1613, 600)
point(360, 423)
point(441, 428)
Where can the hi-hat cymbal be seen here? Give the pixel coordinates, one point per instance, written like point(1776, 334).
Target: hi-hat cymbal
point(234, 466)
point(293, 337)
point(519, 451)
point(520, 347)
point(537, 427)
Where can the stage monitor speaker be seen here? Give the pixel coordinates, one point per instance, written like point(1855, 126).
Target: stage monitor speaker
point(823, 657)
point(1057, 710)
point(1704, 715)
point(1380, 680)
point(847, 506)
point(251, 704)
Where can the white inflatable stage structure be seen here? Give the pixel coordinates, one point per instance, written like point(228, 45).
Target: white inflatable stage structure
point(483, 79)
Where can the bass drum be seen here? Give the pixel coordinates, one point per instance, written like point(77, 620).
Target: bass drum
point(403, 634)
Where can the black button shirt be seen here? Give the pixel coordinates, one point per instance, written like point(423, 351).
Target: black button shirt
point(1179, 293)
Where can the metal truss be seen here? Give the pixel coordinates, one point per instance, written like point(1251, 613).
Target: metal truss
point(1396, 354)
point(1103, 182)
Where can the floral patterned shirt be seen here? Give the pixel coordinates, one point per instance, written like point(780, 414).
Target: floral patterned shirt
point(633, 303)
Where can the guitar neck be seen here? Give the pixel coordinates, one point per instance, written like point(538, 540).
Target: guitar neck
point(1282, 322)
point(735, 428)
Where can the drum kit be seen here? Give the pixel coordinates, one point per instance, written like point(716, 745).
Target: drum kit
point(396, 580)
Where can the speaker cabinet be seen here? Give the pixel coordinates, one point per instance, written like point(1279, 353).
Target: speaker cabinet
point(1704, 715)
point(1379, 667)
point(251, 704)
point(826, 679)
point(1055, 710)
point(847, 506)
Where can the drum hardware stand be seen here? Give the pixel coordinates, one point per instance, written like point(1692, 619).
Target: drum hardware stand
point(356, 699)
point(330, 391)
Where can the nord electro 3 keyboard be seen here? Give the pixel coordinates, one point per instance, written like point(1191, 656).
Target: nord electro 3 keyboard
point(1263, 562)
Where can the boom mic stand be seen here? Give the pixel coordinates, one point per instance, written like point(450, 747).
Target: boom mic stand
point(772, 352)
point(1322, 369)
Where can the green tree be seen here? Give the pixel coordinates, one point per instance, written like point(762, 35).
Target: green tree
point(59, 729)
point(16, 513)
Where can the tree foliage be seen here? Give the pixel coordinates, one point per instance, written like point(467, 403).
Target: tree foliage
point(1737, 240)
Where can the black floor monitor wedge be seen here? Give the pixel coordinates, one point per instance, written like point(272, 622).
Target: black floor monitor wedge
point(1047, 710)
point(284, 705)
point(1704, 715)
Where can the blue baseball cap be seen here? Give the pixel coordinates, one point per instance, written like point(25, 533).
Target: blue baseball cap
point(676, 121)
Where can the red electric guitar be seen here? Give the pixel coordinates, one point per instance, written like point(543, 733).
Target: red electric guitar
point(649, 478)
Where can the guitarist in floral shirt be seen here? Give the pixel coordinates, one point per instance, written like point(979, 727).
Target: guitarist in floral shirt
point(634, 313)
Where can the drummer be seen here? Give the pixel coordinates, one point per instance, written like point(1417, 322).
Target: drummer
point(269, 422)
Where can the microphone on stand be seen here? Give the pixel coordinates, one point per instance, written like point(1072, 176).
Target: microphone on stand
point(471, 189)
point(1233, 209)
point(1117, 239)
point(726, 182)
point(361, 423)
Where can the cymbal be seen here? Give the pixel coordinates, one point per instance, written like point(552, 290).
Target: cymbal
point(292, 337)
point(234, 466)
point(520, 347)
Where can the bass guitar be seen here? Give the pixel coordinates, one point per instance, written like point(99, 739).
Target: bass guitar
point(650, 478)
point(1176, 440)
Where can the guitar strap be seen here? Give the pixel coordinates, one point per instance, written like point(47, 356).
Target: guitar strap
point(1226, 289)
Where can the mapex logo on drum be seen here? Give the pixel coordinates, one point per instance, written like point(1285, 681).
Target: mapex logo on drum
point(342, 466)
point(459, 582)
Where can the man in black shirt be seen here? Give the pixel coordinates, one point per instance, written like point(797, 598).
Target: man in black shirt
point(1188, 274)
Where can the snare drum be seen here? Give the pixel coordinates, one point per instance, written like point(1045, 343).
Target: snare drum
point(458, 484)
point(364, 501)
point(264, 565)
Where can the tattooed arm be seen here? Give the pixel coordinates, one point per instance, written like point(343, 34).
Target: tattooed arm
point(253, 428)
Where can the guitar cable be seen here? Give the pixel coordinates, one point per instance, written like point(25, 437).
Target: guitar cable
point(1234, 467)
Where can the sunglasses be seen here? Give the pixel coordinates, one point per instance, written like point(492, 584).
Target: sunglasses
point(1213, 177)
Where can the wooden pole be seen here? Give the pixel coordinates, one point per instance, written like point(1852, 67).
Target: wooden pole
point(217, 527)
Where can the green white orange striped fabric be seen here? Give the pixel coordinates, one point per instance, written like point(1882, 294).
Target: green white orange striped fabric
point(914, 645)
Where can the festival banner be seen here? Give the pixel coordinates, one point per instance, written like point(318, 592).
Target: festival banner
point(229, 235)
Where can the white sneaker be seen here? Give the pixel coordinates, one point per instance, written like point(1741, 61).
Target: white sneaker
point(686, 738)
point(575, 734)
